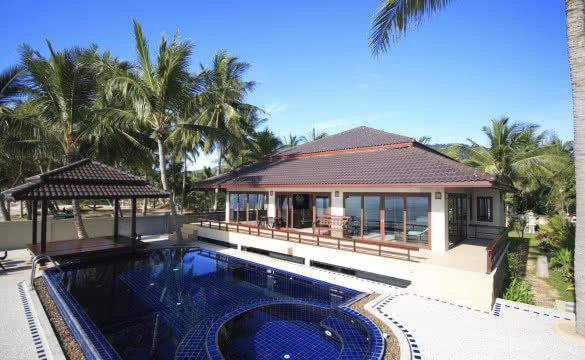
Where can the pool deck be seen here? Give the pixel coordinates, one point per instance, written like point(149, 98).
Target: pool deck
point(432, 328)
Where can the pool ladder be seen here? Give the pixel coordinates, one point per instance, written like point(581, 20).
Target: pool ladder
point(35, 261)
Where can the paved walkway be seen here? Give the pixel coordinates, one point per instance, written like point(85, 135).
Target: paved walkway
point(17, 340)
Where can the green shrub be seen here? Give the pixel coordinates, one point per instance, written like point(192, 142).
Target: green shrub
point(514, 265)
point(560, 233)
point(519, 290)
point(563, 262)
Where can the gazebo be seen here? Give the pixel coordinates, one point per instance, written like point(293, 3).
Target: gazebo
point(85, 179)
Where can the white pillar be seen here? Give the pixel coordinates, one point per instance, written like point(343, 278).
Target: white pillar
point(227, 206)
point(337, 203)
point(439, 223)
point(271, 204)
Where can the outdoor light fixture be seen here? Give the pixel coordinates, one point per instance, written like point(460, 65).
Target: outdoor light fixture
point(438, 195)
point(271, 192)
point(337, 194)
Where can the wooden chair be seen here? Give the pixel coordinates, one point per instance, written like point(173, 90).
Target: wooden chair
point(331, 222)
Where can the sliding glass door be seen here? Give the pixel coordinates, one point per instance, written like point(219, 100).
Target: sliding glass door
point(389, 217)
point(353, 209)
point(393, 218)
point(247, 207)
point(372, 218)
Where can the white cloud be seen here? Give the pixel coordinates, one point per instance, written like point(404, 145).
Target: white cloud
point(276, 108)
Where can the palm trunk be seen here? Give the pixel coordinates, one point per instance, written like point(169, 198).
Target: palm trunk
point(77, 220)
point(3, 211)
point(184, 183)
point(575, 10)
point(218, 172)
point(29, 210)
point(165, 183)
point(145, 207)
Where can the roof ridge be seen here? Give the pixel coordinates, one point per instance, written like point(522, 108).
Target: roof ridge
point(58, 170)
point(138, 178)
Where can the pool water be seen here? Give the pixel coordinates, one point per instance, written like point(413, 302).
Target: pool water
point(162, 304)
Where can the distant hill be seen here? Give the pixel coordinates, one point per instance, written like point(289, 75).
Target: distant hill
point(451, 150)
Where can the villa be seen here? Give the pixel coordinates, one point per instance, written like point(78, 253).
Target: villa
point(376, 193)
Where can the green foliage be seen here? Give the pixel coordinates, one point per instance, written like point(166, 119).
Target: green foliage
point(515, 267)
point(519, 290)
point(563, 262)
point(518, 223)
point(559, 233)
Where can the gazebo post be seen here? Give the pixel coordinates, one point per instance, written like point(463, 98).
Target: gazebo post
point(116, 210)
point(43, 226)
point(133, 230)
point(34, 221)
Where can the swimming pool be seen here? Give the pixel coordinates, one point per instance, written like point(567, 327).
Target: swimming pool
point(192, 303)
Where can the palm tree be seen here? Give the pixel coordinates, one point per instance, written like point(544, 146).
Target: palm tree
point(162, 96)
point(317, 135)
point(390, 24)
point(293, 140)
point(10, 89)
point(64, 88)
point(425, 140)
point(575, 10)
point(157, 92)
point(266, 143)
point(222, 102)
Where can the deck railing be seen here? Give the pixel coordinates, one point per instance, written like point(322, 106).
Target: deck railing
point(495, 249)
point(379, 248)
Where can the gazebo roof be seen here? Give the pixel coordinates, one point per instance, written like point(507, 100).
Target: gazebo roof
point(84, 179)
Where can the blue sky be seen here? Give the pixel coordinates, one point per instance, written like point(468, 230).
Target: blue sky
point(446, 79)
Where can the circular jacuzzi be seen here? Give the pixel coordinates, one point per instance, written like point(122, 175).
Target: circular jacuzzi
point(293, 330)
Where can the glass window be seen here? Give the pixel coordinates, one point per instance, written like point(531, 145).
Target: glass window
point(252, 204)
point(322, 205)
point(417, 220)
point(372, 218)
point(393, 218)
point(233, 207)
point(243, 202)
point(262, 206)
point(353, 208)
point(484, 209)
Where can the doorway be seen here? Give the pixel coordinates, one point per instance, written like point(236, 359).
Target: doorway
point(457, 218)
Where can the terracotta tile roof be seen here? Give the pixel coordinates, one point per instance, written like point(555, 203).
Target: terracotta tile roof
point(359, 137)
point(414, 164)
point(85, 179)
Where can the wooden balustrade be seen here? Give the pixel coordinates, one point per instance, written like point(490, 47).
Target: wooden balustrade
point(495, 249)
point(372, 247)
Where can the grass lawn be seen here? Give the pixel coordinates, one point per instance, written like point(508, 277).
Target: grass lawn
point(555, 279)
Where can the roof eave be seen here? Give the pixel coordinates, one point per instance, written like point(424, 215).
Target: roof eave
point(454, 184)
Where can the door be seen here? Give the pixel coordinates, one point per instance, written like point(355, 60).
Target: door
point(457, 218)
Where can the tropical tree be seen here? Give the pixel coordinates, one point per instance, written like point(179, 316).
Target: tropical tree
point(425, 140)
point(391, 22)
point(63, 87)
point(162, 96)
point(10, 89)
point(293, 140)
point(317, 135)
point(222, 102)
point(266, 143)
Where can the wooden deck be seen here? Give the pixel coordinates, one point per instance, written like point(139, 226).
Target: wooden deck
point(70, 248)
